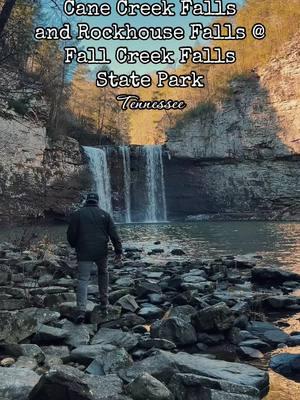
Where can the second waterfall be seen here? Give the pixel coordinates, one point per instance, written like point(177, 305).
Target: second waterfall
point(129, 181)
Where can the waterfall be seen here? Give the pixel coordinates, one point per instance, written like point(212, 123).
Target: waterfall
point(156, 210)
point(100, 171)
point(125, 152)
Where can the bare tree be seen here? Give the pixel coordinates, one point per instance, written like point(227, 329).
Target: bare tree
point(5, 13)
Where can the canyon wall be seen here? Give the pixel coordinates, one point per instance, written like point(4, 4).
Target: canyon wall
point(241, 157)
point(38, 176)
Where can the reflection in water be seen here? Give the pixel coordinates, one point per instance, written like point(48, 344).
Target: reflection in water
point(277, 242)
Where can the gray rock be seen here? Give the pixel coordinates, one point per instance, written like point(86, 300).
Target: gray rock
point(217, 318)
point(249, 353)
point(11, 304)
point(157, 344)
point(115, 337)
point(286, 364)
point(117, 294)
point(268, 332)
point(49, 334)
point(144, 288)
point(175, 330)
point(195, 387)
point(271, 275)
point(97, 317)
point(202, 287)
point(156, 298)
point(110, 362)
point(61, 384)
point(128, 303)
point(26, 362)
point(124, 282)
point(164, 365)
point(16, 383)
point(150, 311)
point(76, 335)
point(86, 354)
point(183, 312)
point(256, 344)
point(147, 387)
point(16, 327)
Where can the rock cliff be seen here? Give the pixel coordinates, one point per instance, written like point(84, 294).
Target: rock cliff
point(242, 155)
point(38, 176)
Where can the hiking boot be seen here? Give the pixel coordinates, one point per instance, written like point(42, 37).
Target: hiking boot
point(104, 309)
point(79, 318)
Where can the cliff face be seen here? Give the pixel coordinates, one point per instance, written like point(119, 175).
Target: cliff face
point(38, 177)
point(243, 156)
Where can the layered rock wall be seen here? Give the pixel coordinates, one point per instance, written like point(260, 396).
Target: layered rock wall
point(243, 154)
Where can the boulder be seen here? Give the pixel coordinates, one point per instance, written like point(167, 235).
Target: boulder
point(150, 311)
point(147, 387)
point(88, 353)
point(216, 318)
point(163, 365)
point(195, 387)
point(157, 343)
point(286, 364)
point(270, 275)
point(115, 337)
point(16, 383)
point(128, 303)
point(61, 385)
point(184, 312)
point(144, 288)
point(113, 314)
point(249, 353)
point(16, 327)
point(175, 330)
point(51, 334)
point(268, 333)
point(76, 335)
point(110, 362)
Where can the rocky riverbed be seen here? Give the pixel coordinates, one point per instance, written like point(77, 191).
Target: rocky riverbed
point(181, 330)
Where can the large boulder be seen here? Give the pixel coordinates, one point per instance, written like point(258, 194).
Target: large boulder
point(16, 327)
point(271, 275)
point(175, 330)
point(286, 364)
point(164, 365)
point(195, 387)
point(16, 383)
point(216, 318)
point(147, 387)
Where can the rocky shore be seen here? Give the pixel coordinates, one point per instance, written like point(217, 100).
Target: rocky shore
point(181, 330)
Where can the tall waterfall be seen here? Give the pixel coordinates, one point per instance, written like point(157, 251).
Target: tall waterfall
point(125, 151)
point(99, 168)
point(156, 210)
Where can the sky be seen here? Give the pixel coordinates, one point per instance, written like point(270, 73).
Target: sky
point(149, 45)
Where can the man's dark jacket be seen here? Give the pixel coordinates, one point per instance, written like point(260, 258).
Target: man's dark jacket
point(89, 232)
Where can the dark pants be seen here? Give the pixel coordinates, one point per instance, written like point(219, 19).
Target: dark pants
point(84, 272)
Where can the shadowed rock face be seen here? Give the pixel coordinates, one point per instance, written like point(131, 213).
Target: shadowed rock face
point(243, 156)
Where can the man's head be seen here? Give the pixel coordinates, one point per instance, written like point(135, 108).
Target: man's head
point(92, 198)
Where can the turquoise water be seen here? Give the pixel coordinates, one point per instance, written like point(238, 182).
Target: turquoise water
point(278, 243)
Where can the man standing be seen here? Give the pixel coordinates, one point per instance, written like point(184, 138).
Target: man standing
point(89, 232)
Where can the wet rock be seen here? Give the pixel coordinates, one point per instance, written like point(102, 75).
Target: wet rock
point(113, 313)
point(175, 330)
point(268, 332)
point(150, 311)
point(128, 303)
point(16, 383)
point(271, 275)
point(294, 340)
point(147, 387)
point(195, 387)
point(115, 337)
point(164, 365)
point(47, 334)
point(216, 318)
point(286, 364)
